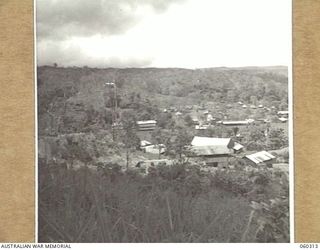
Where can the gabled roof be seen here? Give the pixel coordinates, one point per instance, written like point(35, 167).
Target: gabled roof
point(237, 146)
point(209, 141)
point(210, 146)
point(211, 150)
point(260, 157)
point(145, 143)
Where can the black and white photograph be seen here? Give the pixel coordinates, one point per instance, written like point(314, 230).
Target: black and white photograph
point(164, 121)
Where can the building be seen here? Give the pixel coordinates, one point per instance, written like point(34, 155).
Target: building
point(210, 118)
point(237, 148)
point(154, 149)
point(283, 119)
point(235, 123)
point(202, 127)
point(146, 125)
point(238, 123)
point(144, 143)
point(195, 121)
point(262, 158)
point(214, 151)
point(283, 114)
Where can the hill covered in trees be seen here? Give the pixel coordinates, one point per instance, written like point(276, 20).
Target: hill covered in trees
point(92, 190)
point(70, 99)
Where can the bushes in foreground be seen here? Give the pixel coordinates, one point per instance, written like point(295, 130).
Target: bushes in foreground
point(169, 205)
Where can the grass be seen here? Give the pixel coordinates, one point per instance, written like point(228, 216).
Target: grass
point(180, 204)
point(107, 206)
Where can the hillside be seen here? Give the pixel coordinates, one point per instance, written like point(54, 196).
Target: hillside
point(95, 174)
point(70, 98)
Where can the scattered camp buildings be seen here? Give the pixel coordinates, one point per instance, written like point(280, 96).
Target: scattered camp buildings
point(146, 125)
point(262, 158)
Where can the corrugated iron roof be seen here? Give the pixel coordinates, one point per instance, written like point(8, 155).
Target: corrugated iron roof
point(260, 157)
point(146, 122)
point(210, 150)
point(237, 146)
point(209, 141)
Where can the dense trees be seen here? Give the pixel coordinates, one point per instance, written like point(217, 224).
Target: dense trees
point(128, 136)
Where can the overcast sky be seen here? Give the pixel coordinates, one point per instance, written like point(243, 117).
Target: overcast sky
point(164, 33)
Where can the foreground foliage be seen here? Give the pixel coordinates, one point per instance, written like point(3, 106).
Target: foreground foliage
point(178, 204)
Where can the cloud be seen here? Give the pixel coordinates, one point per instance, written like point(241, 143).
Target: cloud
point(66, 54)
point(163, 33)
point(61, 19)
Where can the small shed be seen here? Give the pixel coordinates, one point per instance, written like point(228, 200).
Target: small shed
point(262, 158)
point(283, 120)
point(238, 123)
point(284, 113)
point(154, 149)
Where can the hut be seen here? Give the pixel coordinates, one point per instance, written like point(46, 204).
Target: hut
point(262, 158)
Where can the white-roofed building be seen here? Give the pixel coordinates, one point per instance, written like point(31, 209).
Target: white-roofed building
point(283, 119)
point(214, 150)
point(260, 158)
point(146, 125)
point(145, 143)
point(202, 127)
point(209, 141)
point(237, 147)
point(238, 123)
point(285, 113)
point(154, 149)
